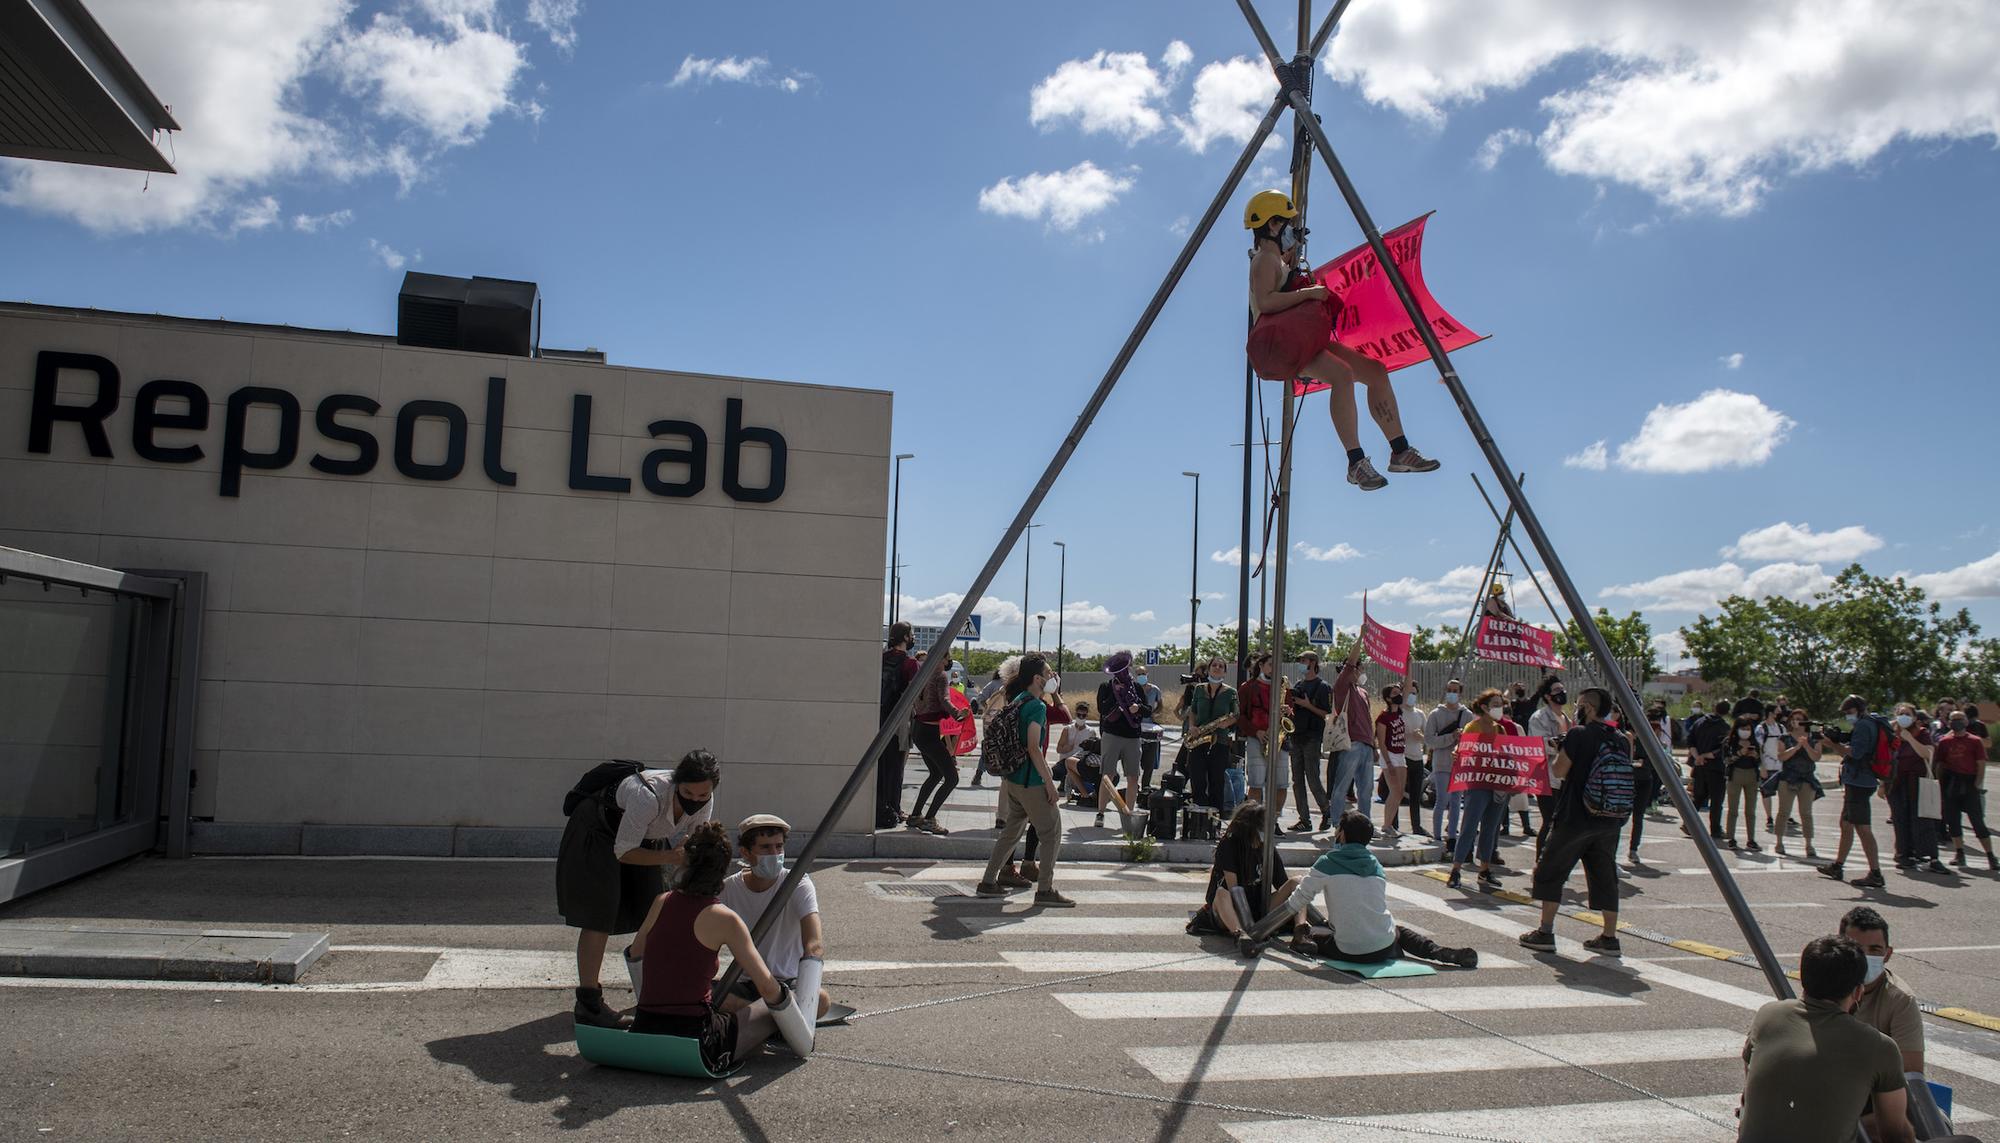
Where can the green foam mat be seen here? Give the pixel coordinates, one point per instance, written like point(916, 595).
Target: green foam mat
point(640, 1051)
point(1381, 969)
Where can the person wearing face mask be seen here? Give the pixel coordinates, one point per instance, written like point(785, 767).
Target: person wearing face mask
point(1485, 807)
point(1887, 1004)
point(1916, 835)
point(1294, 337)
point(1961, 762)
point(1549, 723)
point(1311, 701)
point(1810, 1068)
point(1580, 835)
point(1391, 741)
point(1859, 786)
point(1441, 730)
point(1149, 730)
point(1030, 793)
point(797, 934)
point(1354, 766)
point(1645, 782)
point(1797, 779)
point(622, 831)
point(1744, 761)
point(1212, 712)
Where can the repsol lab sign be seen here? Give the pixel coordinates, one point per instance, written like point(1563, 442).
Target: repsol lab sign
point(352, 450)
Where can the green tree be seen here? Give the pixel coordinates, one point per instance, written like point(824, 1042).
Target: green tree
point(1223, 643)
point(1630, 638)
point(1441, 642)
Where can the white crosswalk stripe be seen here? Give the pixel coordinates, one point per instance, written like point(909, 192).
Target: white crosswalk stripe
point(1100, 961)
point(1186, 899)
point(1686, 1119)
point(1348, 1000)
point(1344, 1059)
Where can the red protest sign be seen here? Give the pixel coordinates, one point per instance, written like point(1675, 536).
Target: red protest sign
point(1511, 641)
point(1372, 319)
point(1510, 763)
point(1385, 645)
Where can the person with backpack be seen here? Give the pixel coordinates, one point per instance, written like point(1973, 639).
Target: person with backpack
point(1595, 766)
point(625, 823)
point(1708, 746)
point(1869, 755)
point(1015, 749)
point(898, 669)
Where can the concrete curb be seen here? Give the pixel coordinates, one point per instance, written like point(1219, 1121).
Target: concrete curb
point(158, 954)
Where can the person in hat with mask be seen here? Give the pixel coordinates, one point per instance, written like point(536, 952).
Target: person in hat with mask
point(1293, 337)
point(760, 841)
point(622, 831)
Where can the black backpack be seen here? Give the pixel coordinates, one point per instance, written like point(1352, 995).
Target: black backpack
point(599, 778)
point(892, 682)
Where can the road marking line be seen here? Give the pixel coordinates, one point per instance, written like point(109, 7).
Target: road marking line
point(1621, 1121)
point(1631, 907)
point(1343, 1000)
point(1041, 924)
point(1355, 1058)
point(1181, 898)
point(1080, 961)
point(1066, 871)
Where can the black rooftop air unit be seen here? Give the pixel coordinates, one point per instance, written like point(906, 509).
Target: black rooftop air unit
point(485, 315)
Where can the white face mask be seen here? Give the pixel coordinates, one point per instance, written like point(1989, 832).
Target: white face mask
point(771, 866)
point(1451, 698)
point(1905, 721)
point(1361, 679)
point(1140, 678)
point(1744, 733)
point(1053, 684)
point(1876, 966)
point(1495, 710)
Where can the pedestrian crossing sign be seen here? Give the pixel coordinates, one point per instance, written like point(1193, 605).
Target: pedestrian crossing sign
point(1319, 630)
point(972, 628)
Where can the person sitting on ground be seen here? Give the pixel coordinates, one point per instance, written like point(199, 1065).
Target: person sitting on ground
point(1887, 1004)
point(796, 934)
point(1810, 1068)
point(1293, 337)
point(1354, 892)
point(676, 949)
point(1239, 864)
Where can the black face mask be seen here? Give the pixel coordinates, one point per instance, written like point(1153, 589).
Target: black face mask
point(1559, 697)
point(688, 807)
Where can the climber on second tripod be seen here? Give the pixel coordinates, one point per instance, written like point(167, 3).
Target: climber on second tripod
point(1293, 337)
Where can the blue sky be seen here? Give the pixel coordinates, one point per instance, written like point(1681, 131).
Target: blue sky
point(1643, 207)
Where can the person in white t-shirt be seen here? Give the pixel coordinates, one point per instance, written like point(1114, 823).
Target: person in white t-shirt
point(760, 840)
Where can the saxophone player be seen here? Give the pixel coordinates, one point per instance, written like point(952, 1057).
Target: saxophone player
point(1210, 735)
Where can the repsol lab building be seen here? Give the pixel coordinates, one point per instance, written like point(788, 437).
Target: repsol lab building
point(442, 573)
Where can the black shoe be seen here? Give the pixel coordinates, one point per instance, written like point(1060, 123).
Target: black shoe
point(1936, 866)
point(1245, 946)
point(1906, 863)
point(1325, 823)
point(1753, 847)
point(1993, 862)
point(1302, 827)
point(1099, 823)
point(1496, 861)
point(1958, 859)
point(591, 1009)
point(1832, 869)
point(1463, 958)
point(1872, 881)
point(1451, 882)
point(1604, 946)
point(1540, 940)
point(1488, 880)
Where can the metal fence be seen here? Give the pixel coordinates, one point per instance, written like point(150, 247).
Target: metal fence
point(1429, 677)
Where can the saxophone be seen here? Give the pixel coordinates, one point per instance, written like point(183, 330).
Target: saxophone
point(1205, 733)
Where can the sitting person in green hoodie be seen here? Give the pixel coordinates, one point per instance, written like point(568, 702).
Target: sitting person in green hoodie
point(1354, 895)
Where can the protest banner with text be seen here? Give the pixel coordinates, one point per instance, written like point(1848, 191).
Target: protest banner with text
point(1510, 763)
point(1385, 645)
point(1511, 641)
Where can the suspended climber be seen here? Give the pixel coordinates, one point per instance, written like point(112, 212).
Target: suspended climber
point(1293, 337)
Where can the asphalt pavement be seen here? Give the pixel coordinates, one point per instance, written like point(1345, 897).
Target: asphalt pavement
point(442, 1012)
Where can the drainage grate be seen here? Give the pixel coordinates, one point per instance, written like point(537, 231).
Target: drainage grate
point(918, 890)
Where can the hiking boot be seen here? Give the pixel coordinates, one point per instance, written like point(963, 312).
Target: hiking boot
point(1604, 946)
point(1247, 947)
point(1463, 958)
point(591, 1009)
point(1540, 940)
point(1010, 880)
point(1832, 869)
point(1362, 474)
point(1872, 881)
point(1050, 899)
point(1410, 460)
point(991, 889)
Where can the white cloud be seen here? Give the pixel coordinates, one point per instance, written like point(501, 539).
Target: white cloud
point(389, 255)
point(1788, 541)
point(1454, 586)
point(757, 71)
point(1498, 144)
point(1178, 633)
point(1064, 198)
point(1705, 106)
point(1233, 557)
point(1731, 360)
point(1230, 97)
point(1083, 615)
point(1979, 579)
point(1112, 93)
point(313, 223)
point(1213, 596)
point(237, 76)
point(1592, 458)
point(994, 613)
point(1700, 589)
point(1335, 554)
point(1671, 647)
point(255, 215)
point(557, 20)
point(1719, 429)
point(1175, 59)
point(450, 85)
point(1146, 616)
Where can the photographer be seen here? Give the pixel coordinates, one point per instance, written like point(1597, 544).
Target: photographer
point(1708, 739)
point(1859, 786)
point(1797, 779)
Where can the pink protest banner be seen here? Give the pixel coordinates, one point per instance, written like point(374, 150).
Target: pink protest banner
point(961, 731)
point(1511, 641)
point(1510, 763)
point(1372, 319)
point(1385, 645)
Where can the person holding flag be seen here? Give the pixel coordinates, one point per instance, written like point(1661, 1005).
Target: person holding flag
point(1485, 804)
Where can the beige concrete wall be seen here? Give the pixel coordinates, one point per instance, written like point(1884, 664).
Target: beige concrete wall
point(387, 651)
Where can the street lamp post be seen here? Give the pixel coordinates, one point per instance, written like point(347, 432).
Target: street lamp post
point(1194, 569)
point(1027, 566)
point(895, 537)
point(1062, 582)
point(1041, 621)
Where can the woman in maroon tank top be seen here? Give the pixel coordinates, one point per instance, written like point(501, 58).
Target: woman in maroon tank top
point(679, 943)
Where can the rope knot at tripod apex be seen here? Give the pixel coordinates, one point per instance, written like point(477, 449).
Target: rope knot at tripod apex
point(1296, 76)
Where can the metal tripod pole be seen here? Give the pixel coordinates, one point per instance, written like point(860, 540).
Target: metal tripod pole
point(1516, 545)
point(1479, 594)
point(934, 662)
point(1621, 689)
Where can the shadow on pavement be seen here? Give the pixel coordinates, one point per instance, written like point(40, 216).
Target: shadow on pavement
point(1176, 1118)
point(581, 1093)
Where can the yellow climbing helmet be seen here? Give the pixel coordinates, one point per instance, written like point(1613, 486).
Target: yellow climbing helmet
point(1266, 205)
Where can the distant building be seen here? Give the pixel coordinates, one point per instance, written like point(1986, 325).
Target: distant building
point(1675, 687)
